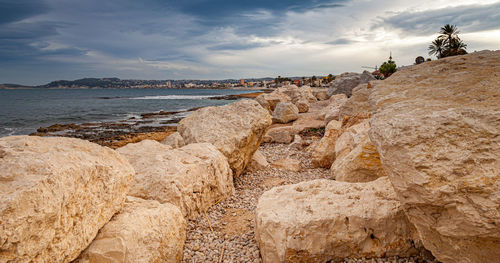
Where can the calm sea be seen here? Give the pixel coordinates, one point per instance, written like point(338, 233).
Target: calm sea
point(23, 111)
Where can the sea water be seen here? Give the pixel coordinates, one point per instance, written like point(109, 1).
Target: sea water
point(23, 111)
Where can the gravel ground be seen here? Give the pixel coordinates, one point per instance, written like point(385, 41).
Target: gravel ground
point(226, 232)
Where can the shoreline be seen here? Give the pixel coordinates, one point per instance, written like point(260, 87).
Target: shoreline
point(115, 134)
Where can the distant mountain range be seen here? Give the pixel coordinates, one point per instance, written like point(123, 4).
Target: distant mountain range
point(122, 83)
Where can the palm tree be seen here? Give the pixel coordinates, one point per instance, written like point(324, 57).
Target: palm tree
point(437, 48)
point(457, 47)
point(448, 33)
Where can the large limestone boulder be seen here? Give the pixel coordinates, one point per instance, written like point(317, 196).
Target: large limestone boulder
point(345, 82)
point(307, 93)
point(358, 103)
point(320, 93)
point(174, 140)
point(193, 177)
point(270, 100)
point(351, 137)
point(236, 130)
point(323, 153)
point(55, 194)
point(436, 126)
point(302, 105)
point(323, 220)
point(285, 112)
point(332, 111)
point(361, 164)
point(143, 231)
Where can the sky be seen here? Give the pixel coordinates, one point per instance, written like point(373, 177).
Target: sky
point(46, 40)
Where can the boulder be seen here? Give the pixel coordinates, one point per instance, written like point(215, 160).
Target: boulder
point(258, 162)
point(292, 91)
point(270, 100)
point(287, 164)
point(297, 142)
point(320, 94)
point(307, 121)
point(285, 112)
point(323, 153)
point(325, 220)
point(361, 164)
point(436, 126)
point(143, 231)
point(357, 104)
point(333, 109)
point(351, 136)
point(55, 195)
point(345, 82)
point(236, 130)
point(174, 140)
point(281, 134)
point(302, 105)
point(193, 177)
point(307, 94)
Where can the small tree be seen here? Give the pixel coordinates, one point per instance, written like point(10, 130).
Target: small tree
point(448, 43)
point(388, 68)
point(329, 78)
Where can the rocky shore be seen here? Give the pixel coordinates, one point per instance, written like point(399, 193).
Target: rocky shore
point(398, 170)
point(150, 125)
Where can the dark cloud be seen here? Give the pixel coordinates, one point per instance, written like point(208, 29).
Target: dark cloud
point(166, 38)
point(16, 10)
point(341, 41)
point(468, 18)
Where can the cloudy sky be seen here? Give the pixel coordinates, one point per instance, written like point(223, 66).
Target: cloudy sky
point(45, 40)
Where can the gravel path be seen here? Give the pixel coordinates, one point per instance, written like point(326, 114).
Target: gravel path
point(229, 237)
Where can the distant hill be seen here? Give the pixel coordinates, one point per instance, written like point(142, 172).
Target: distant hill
point(125, 83)
point(14, 86)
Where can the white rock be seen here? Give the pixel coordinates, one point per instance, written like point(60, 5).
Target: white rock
point(436, 126)
point(236, 130)
point(283, 134)
point(320, 94)
point(174, 140)
point(55, 194)
point(345, 82)
point(358, 103)
point(270, 100)
point(143, 231)
point(193, 177)
point(302, 105)
point(287, 164)
point(323, 153)
point(333, 109)
point(324, 220)
point(285, 112)
point(297, 142)
point(361, 164)
point(258, 162)
point(351, 137)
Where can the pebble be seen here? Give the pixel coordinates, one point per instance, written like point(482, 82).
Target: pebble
point(204, 246)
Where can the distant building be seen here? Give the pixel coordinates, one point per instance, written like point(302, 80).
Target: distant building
point(419, 60)
point(297, 82)
point(242, 82)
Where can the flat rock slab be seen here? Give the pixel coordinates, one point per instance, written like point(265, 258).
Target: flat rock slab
point(324, 220)
point(287, 164)
point(55, 194)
